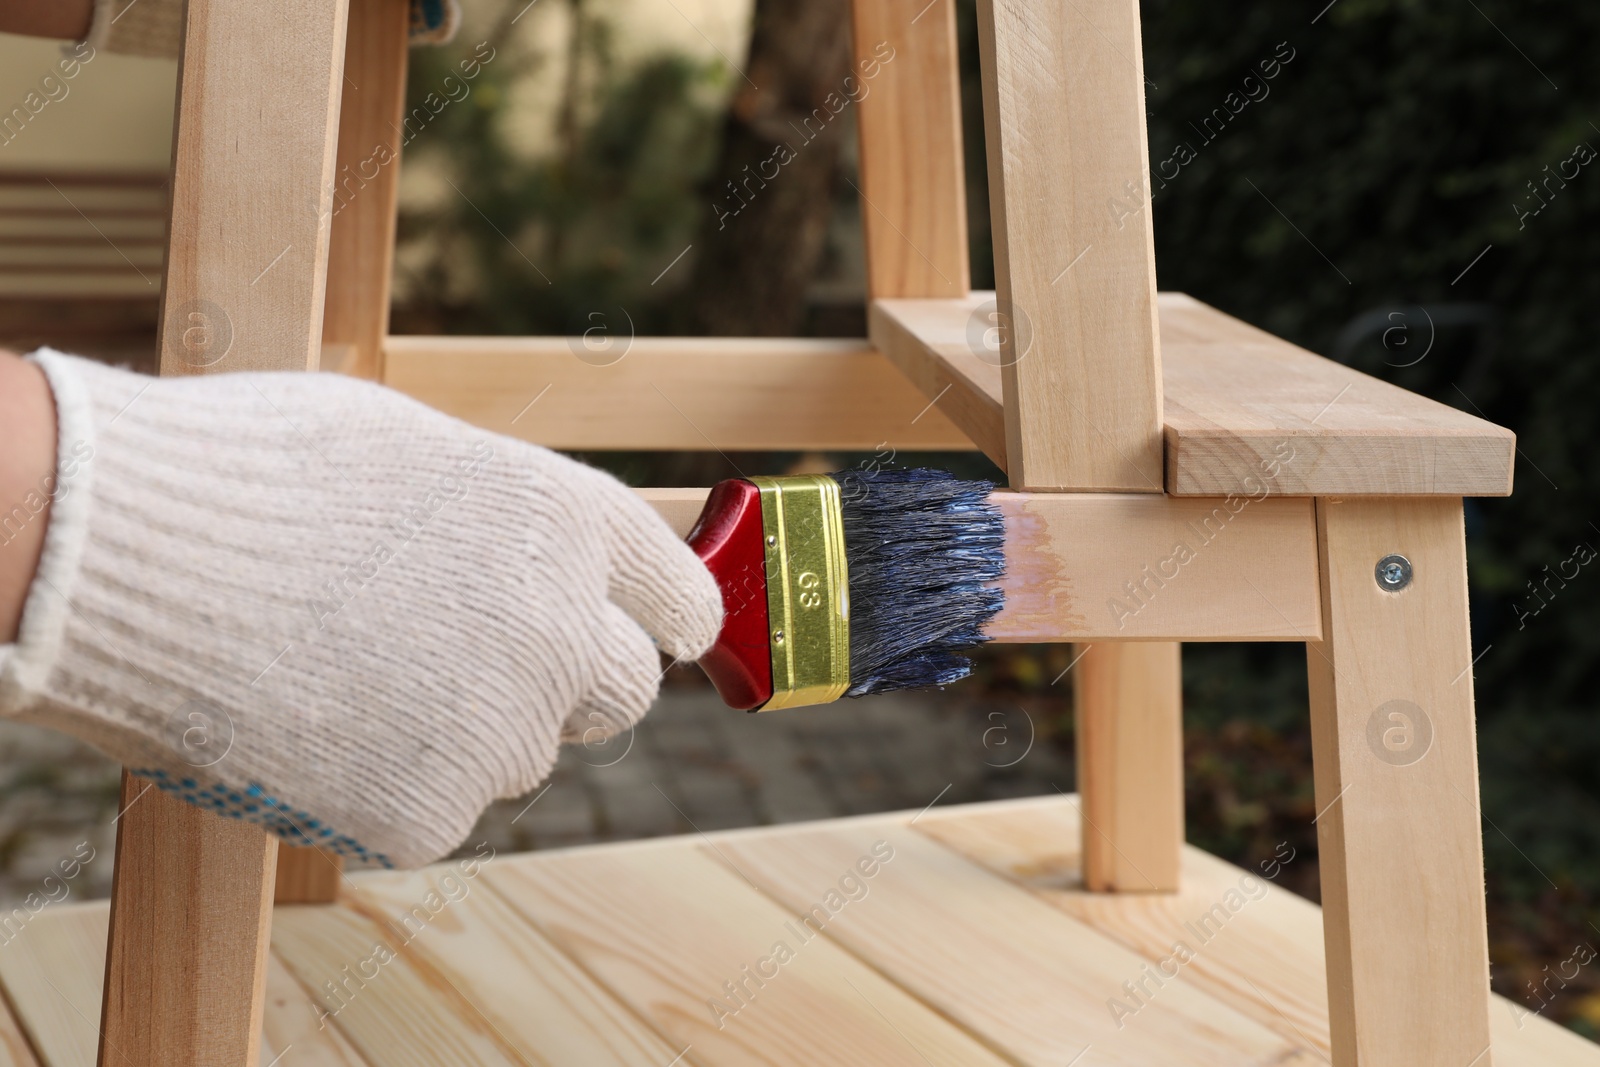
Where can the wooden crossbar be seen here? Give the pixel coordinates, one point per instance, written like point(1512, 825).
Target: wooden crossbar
point(1134, 566)
point(692, 394)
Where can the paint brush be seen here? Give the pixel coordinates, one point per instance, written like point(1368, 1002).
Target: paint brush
point(847, 584)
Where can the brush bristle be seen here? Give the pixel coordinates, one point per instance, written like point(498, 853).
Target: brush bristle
point(924, 549)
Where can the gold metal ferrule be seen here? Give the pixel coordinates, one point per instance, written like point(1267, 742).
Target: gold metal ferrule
point(808, 591)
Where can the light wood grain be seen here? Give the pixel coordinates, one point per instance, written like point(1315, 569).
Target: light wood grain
point(1128, 702)
point(1081, 567)
point(1074, 255)
point(695, 394)
point(1522, 1039)
point(367, 183)
point(664, 928)
point(1035, 983)
point(1263, 936)
point(52, 975)
point(191, 908)
point(1396, 760)
point(913, 184)
point(293, 1031)
point(940, 346)
point(399, 1013)
point(1245, 411)
point(484, 953)
point(253, 161)
point(1266, 959)
point(1235, 395)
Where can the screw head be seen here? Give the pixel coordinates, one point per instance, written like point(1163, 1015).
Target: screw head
point(1393, 573)
point(772, 539)
point(777, 637)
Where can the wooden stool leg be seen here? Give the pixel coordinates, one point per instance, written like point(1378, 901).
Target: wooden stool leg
point(1074, 252)
point(307, 876)
point(258, 100)
point(367, 185)
point(360, 265)
point(1397, 788)
point(186, 957)
point(913, 181)
point(1129, 710)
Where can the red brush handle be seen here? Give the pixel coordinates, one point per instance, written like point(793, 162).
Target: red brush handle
point(728, 539)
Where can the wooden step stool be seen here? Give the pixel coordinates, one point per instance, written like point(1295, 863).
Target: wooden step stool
point(1224, 485)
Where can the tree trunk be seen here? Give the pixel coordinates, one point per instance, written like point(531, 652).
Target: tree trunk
point(771, 192)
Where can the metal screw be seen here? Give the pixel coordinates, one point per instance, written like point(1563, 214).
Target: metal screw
point(777, 637)
point(772, 539)
point(1393, 573)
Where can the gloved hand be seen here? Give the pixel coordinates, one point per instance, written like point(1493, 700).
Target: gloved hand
point(311, 602)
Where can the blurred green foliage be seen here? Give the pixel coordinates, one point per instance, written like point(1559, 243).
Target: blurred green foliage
point(535, 246)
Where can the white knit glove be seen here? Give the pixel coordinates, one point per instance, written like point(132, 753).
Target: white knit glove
point(311, 602)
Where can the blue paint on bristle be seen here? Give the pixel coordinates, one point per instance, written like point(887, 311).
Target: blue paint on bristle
point(924, 550)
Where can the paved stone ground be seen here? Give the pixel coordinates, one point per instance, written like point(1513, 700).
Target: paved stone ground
point(692, 765)
point(56, 796)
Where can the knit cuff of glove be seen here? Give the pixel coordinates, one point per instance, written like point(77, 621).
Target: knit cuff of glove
point(24, 667)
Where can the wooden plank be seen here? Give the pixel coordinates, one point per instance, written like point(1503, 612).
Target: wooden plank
point(479, 948)
point(663, 393)
point(391, 1008)
point(52, 976)
point(1264, 936)
point(367, 183)
point(52, 973)
point(1265, 959)
point(1032, 982)
point(248, 236)
point(191, 908)
point(1394, 744)
point(913, 180)
point(1085, 567)
point(294, 1024)
point(1236, 395)
point(1128, 702)
point(1074, 255)
point(673, 933)
point(1245, 411)
point(943, 348)
point(246, 262)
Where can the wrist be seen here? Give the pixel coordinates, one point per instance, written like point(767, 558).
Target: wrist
point(27, 482)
